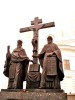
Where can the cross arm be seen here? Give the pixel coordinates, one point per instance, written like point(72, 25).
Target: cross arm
point(26, 29)
point(41, 26)
point(46, 25)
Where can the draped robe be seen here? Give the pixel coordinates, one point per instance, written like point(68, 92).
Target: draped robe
point(17, 68)
point(47, 49)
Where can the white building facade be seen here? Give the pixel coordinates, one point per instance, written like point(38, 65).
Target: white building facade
point(68, 57)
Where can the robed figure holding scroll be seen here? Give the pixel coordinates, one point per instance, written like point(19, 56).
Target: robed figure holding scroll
point(51, 61)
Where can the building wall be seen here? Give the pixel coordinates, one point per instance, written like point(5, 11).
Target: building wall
point(71, 96)
point(68, 84)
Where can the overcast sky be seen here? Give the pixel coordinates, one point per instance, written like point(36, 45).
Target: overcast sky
point(16, 14)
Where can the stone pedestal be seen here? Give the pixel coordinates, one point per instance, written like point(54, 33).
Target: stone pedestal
point(33, 94)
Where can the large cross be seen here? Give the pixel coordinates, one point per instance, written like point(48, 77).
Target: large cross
point(35, 27)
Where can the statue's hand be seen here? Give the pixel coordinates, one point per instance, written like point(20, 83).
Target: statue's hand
point(36, 56)
point(50, 54)
point(32, 61)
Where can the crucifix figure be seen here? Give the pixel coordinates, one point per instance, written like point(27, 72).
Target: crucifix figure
point(35, 27)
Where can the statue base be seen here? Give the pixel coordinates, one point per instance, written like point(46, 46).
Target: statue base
point(32, 94)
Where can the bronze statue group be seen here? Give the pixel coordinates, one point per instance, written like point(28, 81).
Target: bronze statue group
point(50, 59)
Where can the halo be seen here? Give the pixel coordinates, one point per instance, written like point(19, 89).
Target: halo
point(51, 35)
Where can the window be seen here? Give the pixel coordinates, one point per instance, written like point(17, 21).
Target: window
point(66, 64)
